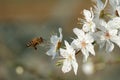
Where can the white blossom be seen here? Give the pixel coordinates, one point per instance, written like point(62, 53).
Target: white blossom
point(88, 25)
point(69, 58)
point(83, 43)
point(88, 68)
point(55, 44)
point(108, 36)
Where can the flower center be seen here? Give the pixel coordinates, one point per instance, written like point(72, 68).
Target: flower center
point(70, 57)
point(83, 43)
point(89, 23)
point(107, 35)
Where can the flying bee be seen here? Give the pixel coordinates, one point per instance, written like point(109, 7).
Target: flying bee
point(34, 42)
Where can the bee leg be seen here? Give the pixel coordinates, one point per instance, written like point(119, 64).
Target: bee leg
point(35, 47)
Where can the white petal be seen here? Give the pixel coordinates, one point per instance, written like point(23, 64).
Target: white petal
point(85, 53)
point(99, 4)
point(116, 40)
point(86, 27)
point(52, 52)
point(113, 3)
point(101, 44)
point(68, 47)
point(66, 66)
point(89, 38)
point(103, 25)
point(97, 36)
point(63, 53)
point(90, 48)
point(87, 14)
point(76, 44)
point(93, 27)
point(75, 66)
point(61, 36)
point(114, 23)
point(113, 32)
point(89, 26)
point(80, 34)
point(92, 14)
point(54, 39)
point(109, 46)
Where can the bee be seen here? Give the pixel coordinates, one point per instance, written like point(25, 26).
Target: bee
point(34, 42)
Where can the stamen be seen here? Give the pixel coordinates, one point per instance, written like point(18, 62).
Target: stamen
point(70, 57)
point(107, 35)
point(83, 43)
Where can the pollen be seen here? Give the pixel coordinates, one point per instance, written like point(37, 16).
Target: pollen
point(83, 43)
point(107, 35)
point(70, 57)
point(90, 23)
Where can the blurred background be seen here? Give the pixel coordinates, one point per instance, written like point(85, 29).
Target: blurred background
point(22, 20)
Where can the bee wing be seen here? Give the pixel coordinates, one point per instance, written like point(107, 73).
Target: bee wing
point(28, 44)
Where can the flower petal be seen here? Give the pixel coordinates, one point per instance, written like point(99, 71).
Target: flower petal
point(103, 25)
point(89, 38)
point(80, 34)
point(68, 47)
point(101, 44)
point(85, 53)
point(75, 66)
point(52, 52)
point(113, 32)
point(86, 27)
point(76, 44)
point(114, 23)
point(63, 53)
point(116, 40)
point(90, 48)
point(93, 27)
point(66, 66)
point(54, 39)
point(97, 36)
point(87, 14)
point(109, 46)
point(61, 36)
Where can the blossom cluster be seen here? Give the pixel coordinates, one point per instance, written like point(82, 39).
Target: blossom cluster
point(100, 26)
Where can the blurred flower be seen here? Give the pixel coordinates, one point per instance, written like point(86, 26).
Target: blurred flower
point(19, 70)
point(114, 23)
point(88, 68)
point(84, 42)
point(88, 25)
point(99, 8)
point(115, 6)
point(70, 60)
point(56, 44)
point(119, 33)
point(108, 35)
